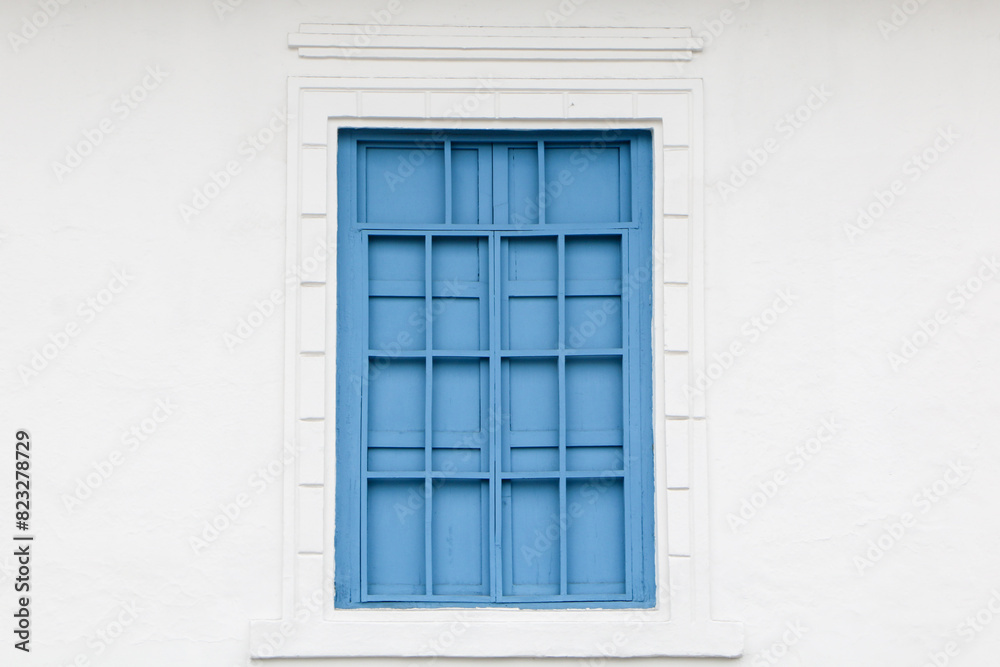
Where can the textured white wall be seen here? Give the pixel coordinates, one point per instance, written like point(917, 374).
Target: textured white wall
point(855, 294)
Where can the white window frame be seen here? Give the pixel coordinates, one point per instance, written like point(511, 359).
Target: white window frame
point(680, 624)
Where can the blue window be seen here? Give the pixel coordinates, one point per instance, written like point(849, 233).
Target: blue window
point(494, 369)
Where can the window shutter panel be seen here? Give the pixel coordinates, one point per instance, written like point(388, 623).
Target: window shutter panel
point(501, 348)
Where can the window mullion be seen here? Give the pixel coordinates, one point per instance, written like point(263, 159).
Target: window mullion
point(629, 376)
point(365, 388)
point(501, 204)
point(447, 182)
point(561, 311)
point(541, 182)
point(495, 420)
point(428, 416)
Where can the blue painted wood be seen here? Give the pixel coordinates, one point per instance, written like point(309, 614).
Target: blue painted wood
point(471, 184)
point(449, 181)
point(494, 367)
point(404, 183)
point(589, 184)
point(522, 184)
point(564, 401)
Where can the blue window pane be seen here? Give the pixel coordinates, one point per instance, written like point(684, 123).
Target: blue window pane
point(396, 323)
point(397, 258)
point(460, 307)
point(593, 400)
point(465, 186)
point(460, 525)
point(396, 537)
point(404, 186)
point(531, 532)
point(590, 180)
point(595, 536)
point(522, 183)
point(396, 401)
point(593, 322)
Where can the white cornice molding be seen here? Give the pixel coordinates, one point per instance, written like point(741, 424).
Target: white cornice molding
point(493, 43)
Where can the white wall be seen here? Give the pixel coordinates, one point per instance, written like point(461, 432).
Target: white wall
point(162, 336)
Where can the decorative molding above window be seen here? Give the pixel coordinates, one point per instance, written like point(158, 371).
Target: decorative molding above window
point(404, 42)
point(542, 53)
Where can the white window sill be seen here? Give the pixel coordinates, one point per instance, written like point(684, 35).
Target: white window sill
point(460, 633)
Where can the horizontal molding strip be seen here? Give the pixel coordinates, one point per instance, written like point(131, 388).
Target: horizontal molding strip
point(382, 53)
point(490, 43)
point(503, 31)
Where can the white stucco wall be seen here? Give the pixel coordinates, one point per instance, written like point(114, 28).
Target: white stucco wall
point(161, 338)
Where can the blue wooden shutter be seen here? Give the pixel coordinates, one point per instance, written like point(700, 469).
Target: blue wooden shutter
point(494, 410)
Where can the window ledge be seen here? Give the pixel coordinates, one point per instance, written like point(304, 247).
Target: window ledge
point(460, 635)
